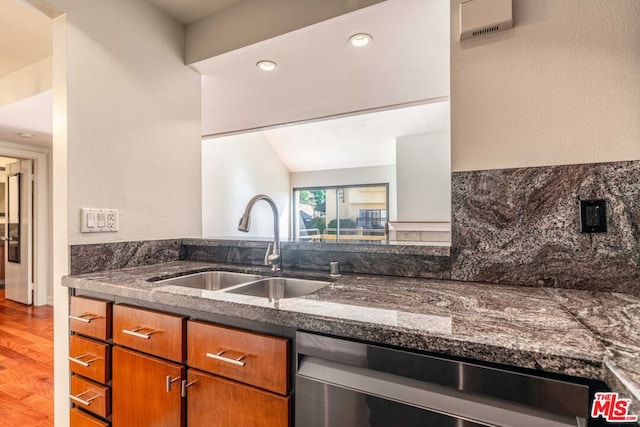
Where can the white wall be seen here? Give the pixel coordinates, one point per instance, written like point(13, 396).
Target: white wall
point(561, 87)
point(234, 169)
point(59, 236)
point(126, 136)
point(351, 176)
point(424, 177)
point(133, 121)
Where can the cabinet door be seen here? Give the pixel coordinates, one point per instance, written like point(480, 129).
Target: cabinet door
point(90, 396)
point(149, 331)
point(146, 391)
point(251, 358)
point(217, 402)
point(90, 358)
point(77, 418)
point(91, 317)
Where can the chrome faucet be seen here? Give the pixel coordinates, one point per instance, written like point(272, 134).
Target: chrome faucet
point(272, 257)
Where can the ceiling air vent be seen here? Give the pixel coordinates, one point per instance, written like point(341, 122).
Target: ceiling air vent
point(481, 17)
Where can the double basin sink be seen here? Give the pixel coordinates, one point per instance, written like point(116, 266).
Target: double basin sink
point(247, 284)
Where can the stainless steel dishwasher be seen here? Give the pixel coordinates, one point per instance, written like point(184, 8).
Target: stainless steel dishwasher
point(351, 384)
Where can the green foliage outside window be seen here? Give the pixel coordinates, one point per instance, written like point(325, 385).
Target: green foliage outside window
point(316, 198)
point(318, 223)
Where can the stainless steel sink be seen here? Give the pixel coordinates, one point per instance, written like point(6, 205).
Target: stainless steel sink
point(210, 280)
point(279, 287)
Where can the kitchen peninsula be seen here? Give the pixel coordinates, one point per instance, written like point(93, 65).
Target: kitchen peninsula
point(553, 331)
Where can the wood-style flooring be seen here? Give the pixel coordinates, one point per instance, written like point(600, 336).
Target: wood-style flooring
point(26, 364)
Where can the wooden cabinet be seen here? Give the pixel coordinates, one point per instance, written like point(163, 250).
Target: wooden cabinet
point(256, 359)
point(148, 374)
point(91, 396)
point(146, 390)
point(89, 358)
point(255, 387)
point(164, 370)
point(236, 405)
point(90, 361)
point(90, 317)
point(78, 418)
point(151, 332)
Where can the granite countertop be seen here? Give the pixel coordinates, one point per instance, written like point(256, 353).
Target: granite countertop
point(578, 333)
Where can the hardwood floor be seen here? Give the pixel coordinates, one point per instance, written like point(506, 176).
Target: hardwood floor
point(26, 364)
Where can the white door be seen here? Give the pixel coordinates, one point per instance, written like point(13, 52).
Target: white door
point(18, 232)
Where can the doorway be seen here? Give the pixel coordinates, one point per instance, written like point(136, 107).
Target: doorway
point(26, 274)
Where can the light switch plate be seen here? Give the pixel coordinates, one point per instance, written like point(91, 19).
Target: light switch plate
point(98, 220)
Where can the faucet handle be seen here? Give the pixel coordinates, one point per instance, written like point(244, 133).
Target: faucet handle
point(267, 254)
point(272, 258)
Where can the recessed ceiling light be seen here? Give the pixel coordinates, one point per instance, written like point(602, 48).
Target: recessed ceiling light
point(360, 40)
point(26, 135)
point(267, 65)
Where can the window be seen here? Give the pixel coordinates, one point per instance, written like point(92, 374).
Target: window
point(341, 214)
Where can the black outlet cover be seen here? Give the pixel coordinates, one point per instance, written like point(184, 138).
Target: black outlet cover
point(593, 216)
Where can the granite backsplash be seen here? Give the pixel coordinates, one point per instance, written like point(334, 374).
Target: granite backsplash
point(110, 256)
point(522, 226)
point(407, 261)
point(509, 226)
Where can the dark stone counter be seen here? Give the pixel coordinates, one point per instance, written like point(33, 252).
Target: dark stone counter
point(577, 333)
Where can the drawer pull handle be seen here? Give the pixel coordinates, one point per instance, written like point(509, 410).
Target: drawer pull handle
point(219, 356)
point(86, 402)
point(84, 318)
point(186, 385)
point(85, 363)
point(135, 332)
point(170, 381)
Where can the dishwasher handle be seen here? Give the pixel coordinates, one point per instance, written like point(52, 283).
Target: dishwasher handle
point(428, 396)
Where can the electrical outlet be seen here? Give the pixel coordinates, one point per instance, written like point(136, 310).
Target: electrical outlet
point(593, 216)
point(98, 220)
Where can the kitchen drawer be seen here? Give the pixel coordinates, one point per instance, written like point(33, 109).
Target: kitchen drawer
point(89, 358)
point(78, 418)
point(91, 396)
point(152, 332)
point(91, 317)
point(235, 404)
point(256, 359)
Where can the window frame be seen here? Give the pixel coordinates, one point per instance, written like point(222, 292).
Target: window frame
point(295, 220)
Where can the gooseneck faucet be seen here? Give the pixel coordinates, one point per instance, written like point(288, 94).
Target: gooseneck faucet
point(272, 257)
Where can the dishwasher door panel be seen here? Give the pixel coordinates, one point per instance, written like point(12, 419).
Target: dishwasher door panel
point(324, 405)
point(349, 383)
